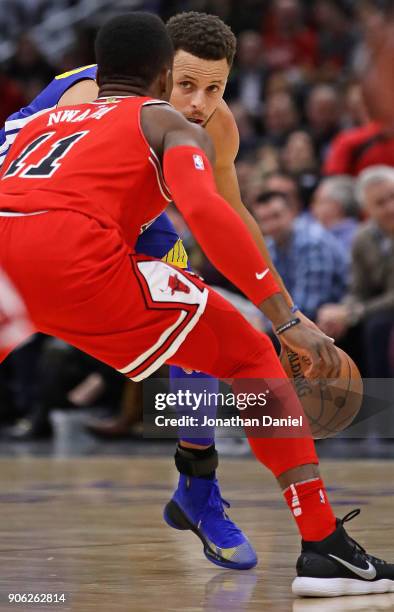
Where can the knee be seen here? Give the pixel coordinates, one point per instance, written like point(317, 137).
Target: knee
point(255, 360)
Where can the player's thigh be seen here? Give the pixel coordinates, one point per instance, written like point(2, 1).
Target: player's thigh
point(223, 343)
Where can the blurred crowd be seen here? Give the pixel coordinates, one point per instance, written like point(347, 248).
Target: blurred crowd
point(314, 169)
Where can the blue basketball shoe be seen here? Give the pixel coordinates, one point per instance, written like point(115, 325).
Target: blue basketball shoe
point(198, 505)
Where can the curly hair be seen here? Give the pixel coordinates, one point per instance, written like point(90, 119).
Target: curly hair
point(205, 36)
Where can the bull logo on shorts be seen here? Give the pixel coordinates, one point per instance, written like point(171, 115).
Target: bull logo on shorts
point(175, 284)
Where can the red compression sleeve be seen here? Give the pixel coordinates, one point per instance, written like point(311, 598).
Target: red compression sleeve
point(219, 230)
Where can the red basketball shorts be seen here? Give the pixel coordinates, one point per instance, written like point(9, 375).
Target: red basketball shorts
point(80, 283)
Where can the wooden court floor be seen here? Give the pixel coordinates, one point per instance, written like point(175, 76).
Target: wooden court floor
point(91, 529)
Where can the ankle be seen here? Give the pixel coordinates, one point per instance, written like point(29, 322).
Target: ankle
point(200, 463)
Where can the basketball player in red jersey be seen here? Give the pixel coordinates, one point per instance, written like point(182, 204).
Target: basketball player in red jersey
point(86, 178)
point(205, 49)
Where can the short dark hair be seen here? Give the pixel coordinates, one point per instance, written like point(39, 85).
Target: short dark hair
point(135, 45)
point(205, 36)
point(267, 196)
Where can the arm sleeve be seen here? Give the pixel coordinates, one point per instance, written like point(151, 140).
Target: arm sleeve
point(221, 233)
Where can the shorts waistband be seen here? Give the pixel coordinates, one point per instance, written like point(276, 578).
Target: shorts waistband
point(8, 213)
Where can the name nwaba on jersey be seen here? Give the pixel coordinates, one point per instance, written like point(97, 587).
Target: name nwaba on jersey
point(76, 115)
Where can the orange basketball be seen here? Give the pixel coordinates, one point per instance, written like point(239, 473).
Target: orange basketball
point(331, 405)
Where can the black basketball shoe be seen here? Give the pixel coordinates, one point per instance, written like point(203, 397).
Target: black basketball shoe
point(339, 566)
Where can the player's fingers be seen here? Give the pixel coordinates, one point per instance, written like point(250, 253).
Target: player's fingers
point(336, 359)
point(314, 371)
point(331, 361)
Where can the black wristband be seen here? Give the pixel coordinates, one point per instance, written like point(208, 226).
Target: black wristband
point(282, 328)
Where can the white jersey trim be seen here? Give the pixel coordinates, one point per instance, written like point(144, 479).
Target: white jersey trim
point(163, 357)
point(20, 123)
point(17, 124)
point(153, 102)
point(156, 274)
point(5, 213)
point(134, 364)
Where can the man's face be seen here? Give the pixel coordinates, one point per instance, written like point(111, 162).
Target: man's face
point(326, 210)
point(323, 109)
point(274, 218)
point(379, 202)
point(285, 185)
point(198, 85)
point(280, 114)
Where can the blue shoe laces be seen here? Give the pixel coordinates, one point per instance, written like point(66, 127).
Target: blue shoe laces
point(216, 505)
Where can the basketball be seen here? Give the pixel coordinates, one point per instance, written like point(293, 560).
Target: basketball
point(331, 405)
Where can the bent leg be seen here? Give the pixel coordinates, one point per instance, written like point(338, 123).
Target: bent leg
point(240, 352)
point(226, 346)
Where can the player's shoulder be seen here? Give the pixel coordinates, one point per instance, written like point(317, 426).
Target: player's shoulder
point(83, 72)
point(223, 130)
point(51, 94)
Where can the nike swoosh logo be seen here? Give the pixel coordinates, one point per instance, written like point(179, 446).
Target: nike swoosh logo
point(262, 274)
point(367, 574)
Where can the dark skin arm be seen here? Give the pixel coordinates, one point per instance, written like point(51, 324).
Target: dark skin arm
point(165, 128)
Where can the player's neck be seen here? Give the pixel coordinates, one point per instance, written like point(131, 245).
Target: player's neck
point(121, 89)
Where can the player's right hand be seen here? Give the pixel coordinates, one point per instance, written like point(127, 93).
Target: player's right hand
point(316, 348)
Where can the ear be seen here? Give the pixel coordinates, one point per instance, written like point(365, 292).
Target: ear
point(166, 84)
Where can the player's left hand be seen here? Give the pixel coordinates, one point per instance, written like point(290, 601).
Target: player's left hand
point(308, 323)
point(316, 347)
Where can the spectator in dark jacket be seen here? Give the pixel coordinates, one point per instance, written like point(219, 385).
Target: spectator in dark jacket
point(370, 301)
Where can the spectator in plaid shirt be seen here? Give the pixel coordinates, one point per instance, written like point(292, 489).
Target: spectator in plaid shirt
point(312, 263)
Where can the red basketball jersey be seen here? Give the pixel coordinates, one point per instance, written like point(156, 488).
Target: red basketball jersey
point(91, 158)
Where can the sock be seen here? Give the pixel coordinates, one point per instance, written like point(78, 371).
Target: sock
point(311, 509)
point(196, 456)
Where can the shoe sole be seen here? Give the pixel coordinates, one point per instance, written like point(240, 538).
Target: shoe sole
point(176, 518)
point(337, 587)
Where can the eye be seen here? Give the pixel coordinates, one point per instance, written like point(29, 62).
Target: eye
point(185, 84)
point(213, 88)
